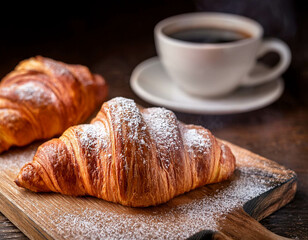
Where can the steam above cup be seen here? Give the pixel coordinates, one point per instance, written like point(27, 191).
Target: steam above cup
point(213, 69)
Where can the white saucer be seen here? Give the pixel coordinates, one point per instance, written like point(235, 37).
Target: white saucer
point(150, 82)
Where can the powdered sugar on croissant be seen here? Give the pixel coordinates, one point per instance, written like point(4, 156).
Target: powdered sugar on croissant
point(130, 155)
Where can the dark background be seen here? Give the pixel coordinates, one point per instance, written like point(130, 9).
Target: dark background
point(79, 32)
point(112, 37)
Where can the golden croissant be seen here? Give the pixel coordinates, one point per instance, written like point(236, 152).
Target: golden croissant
point(42, 98)
point(129, 155)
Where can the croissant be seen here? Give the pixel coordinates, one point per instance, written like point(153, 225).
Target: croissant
point(42, 98)
point(129, 155)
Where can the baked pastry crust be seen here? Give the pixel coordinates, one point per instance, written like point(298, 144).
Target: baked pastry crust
point(129, 155)
point(41, 98)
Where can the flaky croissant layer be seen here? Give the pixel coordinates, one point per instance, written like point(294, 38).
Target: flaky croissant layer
point(129, 155)
point(41, 98)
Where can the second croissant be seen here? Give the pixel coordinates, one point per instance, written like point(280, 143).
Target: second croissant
point(129, 155)
point(43, 97)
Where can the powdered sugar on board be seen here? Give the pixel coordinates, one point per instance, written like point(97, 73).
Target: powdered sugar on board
point(170, 221)
point(17, 157)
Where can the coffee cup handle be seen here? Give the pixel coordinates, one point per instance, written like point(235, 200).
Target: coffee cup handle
point(271, 45)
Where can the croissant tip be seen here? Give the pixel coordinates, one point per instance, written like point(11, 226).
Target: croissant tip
point(20, 178)
point(30, 178)
point(17, 182)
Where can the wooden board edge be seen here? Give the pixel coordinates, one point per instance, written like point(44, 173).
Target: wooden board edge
point(247, 217)
point(243, 223)
point(251, 213)
point(269, 202)
point(21, 220)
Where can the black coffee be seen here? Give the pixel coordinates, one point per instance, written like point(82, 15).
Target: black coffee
point(209, 35)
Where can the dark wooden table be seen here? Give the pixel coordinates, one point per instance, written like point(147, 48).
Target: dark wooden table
point(278, 132)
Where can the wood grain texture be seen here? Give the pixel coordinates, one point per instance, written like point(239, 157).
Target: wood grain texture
point(55, 216)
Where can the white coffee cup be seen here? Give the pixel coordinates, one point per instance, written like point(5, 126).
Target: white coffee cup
point(214, 69)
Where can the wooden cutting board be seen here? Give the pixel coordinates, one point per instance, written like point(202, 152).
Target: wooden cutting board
point(228, 210)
